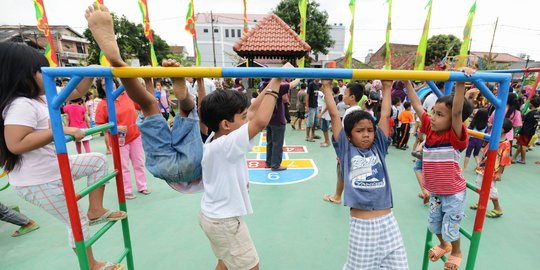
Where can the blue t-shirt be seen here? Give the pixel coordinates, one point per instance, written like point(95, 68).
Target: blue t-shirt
point(367, 185)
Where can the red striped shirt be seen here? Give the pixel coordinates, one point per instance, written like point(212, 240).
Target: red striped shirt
point(441, 171)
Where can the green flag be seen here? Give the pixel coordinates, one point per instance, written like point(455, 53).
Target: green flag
point(422, 46)
point(388, 56)
point(348, 54)
point(302, 8)
point(464, 51)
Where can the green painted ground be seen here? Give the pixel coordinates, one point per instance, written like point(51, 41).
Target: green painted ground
point(292, 227)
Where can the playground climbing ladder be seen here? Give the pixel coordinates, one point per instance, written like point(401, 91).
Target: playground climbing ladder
point(77, 73)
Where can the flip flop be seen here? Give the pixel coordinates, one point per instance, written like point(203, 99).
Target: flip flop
point(112, 266)
point(439, 252)
point(329, 198)
point(23, 231)
point(474, 206)
point(453, 260)
point(494, 214)
point(106, 218)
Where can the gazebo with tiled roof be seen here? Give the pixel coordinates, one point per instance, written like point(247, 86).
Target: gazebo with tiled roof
point(272, 38)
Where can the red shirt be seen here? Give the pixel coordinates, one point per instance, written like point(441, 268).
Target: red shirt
point(125, 115)
point(441, 171)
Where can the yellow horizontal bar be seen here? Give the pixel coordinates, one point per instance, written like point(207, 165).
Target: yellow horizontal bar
point(476, 134)
point(173, 72)
point(365, 74)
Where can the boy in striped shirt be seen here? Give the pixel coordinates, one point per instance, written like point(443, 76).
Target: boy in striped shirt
point(446, 137)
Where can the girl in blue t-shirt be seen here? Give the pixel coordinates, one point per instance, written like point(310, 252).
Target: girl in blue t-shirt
point(374, 237)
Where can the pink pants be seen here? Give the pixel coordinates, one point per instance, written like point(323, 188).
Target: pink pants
point(133, 151)
point(86, 146)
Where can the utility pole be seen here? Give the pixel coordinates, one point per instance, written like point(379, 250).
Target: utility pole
point(491, 46)
point(213, 40)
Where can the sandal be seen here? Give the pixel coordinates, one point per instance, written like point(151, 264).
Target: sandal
point(454, 261)
point(112, 266)
point(145, 191)
point(324, 145)
point(474, 206)
point(23, 230)
point(310, 140)
point(107, 217)
point(438, 252)
point(494, 214)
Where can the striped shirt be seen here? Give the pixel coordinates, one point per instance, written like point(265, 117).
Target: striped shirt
point(441, 171)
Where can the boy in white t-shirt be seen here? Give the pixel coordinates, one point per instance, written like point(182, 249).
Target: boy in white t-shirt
point(225, 174)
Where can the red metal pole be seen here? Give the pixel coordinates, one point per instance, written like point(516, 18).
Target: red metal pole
point(69, 191)
point(118, 167)
point(484, 190)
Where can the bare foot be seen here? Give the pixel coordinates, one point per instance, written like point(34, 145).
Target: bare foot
point(100, 23)
point(96, 214)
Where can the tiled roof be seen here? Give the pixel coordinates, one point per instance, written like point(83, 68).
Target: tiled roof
point(402, 56)
point(501, 57)
point(271, 38)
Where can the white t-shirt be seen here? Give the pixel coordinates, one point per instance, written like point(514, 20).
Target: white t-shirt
point(225, 175)
point(38, 166)
point(326, 115)
point(350, 110)
point(209, 87)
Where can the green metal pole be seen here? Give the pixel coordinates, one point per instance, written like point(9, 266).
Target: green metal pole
point(427, 246)
point(80, 248)
point(473, 250)
point(127, 237)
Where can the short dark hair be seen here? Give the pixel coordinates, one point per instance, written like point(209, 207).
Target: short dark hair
point(357, 90)
point(535, 102)
point(507, 125)
point(406, 104)
point(303, 86)
point(222, 105)
point(395, 100)
point(354, 117)
point(335, 90)
point(448, 102)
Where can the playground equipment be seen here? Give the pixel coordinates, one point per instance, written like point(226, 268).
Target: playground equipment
point(77, 73)
point(2, 175)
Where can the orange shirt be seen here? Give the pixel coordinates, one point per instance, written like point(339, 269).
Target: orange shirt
point(406, 117)
point(125, 115)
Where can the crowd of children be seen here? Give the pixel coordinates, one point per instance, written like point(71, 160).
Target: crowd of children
point(215, 130)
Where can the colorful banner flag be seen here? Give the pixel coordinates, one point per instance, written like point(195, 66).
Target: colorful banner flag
point(420, 58)
point(302, 8)
point(190, 27)
point(245, 18)
point(43, 26)
point(347, 60)
point(148, 31)
point(102, 60)
point(388, 56)
point(464, 51)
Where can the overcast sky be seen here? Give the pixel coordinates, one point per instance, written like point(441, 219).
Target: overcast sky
point(517, 30)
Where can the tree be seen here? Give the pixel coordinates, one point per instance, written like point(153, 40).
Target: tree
point(488, 62)
point(131, 41)
point(441, 46)
point(180, 58)
point(317, 28)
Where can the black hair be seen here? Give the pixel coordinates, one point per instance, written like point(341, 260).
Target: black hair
point(535, 102)
point(395, 100)
point(480, 120)
point(158, 81)
point(335, 90)
point(357, 90)
point(448, 102)
point(101, 90)
point(254, 94)
point(340, 98)
point(406, 104)
point(77, 100)
point(19, 64)
point(513, 105)
point(354, 117)
point(222, 105)
point(303, 86)
point(507, 125)
point(439, 85)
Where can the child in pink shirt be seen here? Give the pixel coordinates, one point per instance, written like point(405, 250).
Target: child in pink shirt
point(77, 116)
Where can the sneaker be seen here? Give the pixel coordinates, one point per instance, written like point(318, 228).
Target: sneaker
point(130, 196)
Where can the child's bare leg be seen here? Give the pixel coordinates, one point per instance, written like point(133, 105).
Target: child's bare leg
point(100, 24)
point(456, 252)
point(300, 123)
point(465, 163)
point(523, 151)
point(221, 265)
point(496, 205)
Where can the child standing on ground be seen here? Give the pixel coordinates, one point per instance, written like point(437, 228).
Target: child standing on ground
point(446, 136)
point(374, 238)
point(405, 118)
point(77, 117)
point(501, 162)
point(530, 123)
point(478, 123)
point(26, 148)
point(300, 107)
point(353, 94)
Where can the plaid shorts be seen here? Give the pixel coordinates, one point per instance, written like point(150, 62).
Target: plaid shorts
point(375, 244)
